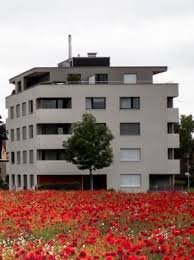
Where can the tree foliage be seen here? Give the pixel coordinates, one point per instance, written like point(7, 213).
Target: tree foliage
point(89, 146)
point(186, 129)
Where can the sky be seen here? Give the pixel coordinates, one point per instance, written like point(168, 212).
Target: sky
point(132, 32)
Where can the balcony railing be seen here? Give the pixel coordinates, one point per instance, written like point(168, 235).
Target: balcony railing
point(139, 82)
point(103, 82)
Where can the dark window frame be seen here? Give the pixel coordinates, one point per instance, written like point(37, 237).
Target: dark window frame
point(132, 103)
point(129, 134)
point(67, 103)
point(92, 103)
point(98, 77)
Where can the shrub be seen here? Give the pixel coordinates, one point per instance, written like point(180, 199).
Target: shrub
point(65, 186)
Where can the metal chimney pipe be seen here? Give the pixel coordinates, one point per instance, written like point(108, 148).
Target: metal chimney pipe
point(70, 46)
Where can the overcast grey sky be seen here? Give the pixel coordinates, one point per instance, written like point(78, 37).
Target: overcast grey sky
point(132, 32)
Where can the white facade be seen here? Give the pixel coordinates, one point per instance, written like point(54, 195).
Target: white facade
point(137, 156)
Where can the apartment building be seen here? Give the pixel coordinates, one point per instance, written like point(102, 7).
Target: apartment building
point(46, 101)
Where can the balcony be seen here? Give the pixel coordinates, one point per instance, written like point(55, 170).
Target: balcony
point(173, 115)
point(173, 166)
point(51, 141)
point(50, 167)
point(173, 140)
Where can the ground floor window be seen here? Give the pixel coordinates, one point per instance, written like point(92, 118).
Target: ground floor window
point(130, 180)
point(99, 181)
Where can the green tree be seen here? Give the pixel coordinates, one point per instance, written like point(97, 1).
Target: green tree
point(89, 146)
point(186, 129)
point(3, 134)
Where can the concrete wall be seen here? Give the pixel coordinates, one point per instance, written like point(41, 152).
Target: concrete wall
point(153, 117)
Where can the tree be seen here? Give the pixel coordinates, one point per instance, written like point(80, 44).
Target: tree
point(89, 146)
point(186, 129)
point(3, 134)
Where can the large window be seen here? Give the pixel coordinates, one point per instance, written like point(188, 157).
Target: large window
point(18, 110)
point(95, 103)
point(130, 154)
point(129, 128)
point(130, 180)
point(51, 154)
point(130, 78)
point(129, 102)
point(54, 129)
point(101, 78)
point(54, 103)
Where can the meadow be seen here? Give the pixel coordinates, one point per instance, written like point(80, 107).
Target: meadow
point(96, 225)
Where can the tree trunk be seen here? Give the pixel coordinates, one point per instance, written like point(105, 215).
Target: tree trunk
point(91, 180)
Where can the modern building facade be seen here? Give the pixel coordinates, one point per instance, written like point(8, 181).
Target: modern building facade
point(46, 101)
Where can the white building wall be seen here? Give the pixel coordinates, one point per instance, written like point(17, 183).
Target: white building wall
point(153, 117)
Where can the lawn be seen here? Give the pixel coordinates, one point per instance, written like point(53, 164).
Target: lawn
point(96, 225)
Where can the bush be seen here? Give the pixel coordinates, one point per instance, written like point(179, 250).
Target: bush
point(65, 186)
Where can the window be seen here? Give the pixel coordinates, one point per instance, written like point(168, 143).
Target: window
point(24, 132)
point(19, 181)
point(18, 158)
point(172, 128)
point(24, 157)
point(170, 153)
point(30, 131)
point(101, 78)
point(31, 156)
point(13, 179)
point(12, 157)
point(24, 109)
point(130, 180)
point(12, 135)
point(74, 78)
point(18, 134)
point(130, 78)
point(129, 102)
point(18, 110)
point(51, 154)
point(19, 85)
point(173, 154)
point(30, 106)
point(48, 103)
point(31, 181)
point(95, 103)
point(169, 102)
point(129, 128)
point(130, 154)
point(11, 112)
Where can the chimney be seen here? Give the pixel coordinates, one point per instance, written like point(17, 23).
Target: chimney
point(92, 54)
point(70, 46)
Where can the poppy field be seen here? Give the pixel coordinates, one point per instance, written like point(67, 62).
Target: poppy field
point(96, 225)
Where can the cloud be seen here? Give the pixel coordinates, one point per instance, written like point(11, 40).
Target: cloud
point(133, 32)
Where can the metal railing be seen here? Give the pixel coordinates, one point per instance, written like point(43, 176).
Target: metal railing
point(102, 83)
